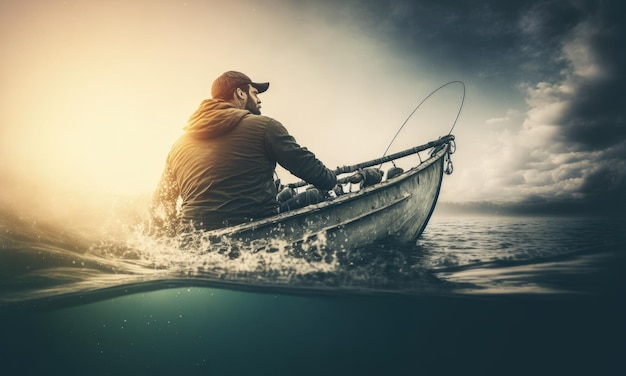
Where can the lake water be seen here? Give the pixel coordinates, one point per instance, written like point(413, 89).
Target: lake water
point(475, 295)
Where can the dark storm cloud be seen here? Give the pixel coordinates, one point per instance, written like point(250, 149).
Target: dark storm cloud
point(592, 120)
point(503, 40)
point(596, 117)
point(519, 42)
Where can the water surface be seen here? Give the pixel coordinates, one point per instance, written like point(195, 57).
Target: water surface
point(487, 295)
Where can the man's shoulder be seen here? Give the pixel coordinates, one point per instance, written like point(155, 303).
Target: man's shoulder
point(262, 120)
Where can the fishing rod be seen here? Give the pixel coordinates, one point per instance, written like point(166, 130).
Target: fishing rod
point(381, 160)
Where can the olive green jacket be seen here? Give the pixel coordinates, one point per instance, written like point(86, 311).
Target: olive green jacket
point(222, 167)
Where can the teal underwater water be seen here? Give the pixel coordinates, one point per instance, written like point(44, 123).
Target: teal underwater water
point(476, 295)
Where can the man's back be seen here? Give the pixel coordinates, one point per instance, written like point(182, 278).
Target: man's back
point(224, 178)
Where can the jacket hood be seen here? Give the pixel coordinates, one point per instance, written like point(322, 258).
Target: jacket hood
point(214, 118)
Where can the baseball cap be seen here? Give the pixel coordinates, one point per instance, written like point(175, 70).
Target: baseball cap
point(230, 80)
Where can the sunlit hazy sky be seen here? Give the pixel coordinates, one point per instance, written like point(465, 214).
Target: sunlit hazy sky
point(94, 93)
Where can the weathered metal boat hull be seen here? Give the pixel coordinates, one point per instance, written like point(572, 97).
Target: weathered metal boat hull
point(399, 207)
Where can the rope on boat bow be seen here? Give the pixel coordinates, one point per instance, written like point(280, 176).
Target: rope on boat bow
point(451, 150)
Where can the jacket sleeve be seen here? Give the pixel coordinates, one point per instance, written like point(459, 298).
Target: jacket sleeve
point(284, 149)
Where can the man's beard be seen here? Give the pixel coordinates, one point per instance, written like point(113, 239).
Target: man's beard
point(252, 107)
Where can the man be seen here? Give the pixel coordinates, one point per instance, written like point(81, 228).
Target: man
point(222, 167)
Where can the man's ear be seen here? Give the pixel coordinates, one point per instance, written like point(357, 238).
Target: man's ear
point(240, 93)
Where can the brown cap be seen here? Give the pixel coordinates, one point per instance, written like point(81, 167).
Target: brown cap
point(230, 80)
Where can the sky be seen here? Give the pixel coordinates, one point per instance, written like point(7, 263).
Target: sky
point(94, 93)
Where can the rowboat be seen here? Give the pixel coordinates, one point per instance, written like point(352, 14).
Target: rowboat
point(397, 207)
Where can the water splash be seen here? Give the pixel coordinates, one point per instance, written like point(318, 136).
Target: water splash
point(40, 260)
point(199, 255)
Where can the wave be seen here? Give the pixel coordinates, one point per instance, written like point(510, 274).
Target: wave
point(46, 264)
